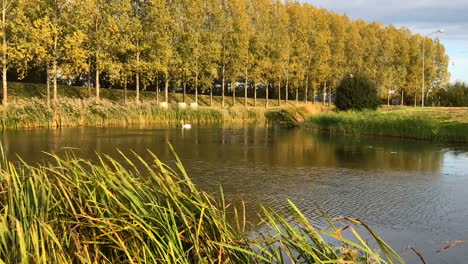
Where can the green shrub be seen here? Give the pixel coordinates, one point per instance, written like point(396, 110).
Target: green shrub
point(283, 118)
point(357, 92)
point(454, 95)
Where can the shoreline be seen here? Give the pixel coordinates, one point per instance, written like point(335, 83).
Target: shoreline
point(428, 124)
point(34, 113)
point(446, 125)
point(407, 124)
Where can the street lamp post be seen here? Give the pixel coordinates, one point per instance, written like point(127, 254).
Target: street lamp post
point(424, 65)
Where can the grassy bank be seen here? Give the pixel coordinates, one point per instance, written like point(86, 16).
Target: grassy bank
point(28, 108)
point(26, 91)
point(435, 124)
point(76, 112)
point(75, 211)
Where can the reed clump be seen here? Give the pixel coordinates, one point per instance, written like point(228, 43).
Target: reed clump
point(295, 115)
point(79, 112)
point(405, 124)
point(72, 210)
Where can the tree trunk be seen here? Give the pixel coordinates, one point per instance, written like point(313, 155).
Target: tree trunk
point(157, 89)
point(279, 93)
point(402, 97)
point(255, 94)
point(89, 77)
point(211, 95)
point(166, 88)
point(4, 59)
point(97, 78)
point(54, 72)
point(306, 90)
point(125, 89)
point(245, 88)
point(266, 96)
point(97, 61)
point(329, 95)
point(388, 97)
point(137, 76)
point(427, 98)
point(314, 93)
point(222, 86)
point(415, 98)
point(286, 96)
point(137, 88)
point(297, 95)
point(196, 90)
point(233, 86)
point(4, 82)
point(184, 87)
point(48, 84)
point(324, 94)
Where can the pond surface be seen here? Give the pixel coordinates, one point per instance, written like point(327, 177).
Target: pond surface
point(412, 193)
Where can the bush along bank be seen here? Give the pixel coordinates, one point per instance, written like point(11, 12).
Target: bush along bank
point(77, 112)
point(293, 116)
point(77, 211)
point(407, 124)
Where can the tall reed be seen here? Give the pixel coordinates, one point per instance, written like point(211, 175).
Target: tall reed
point(76, 112)
point(72, 210)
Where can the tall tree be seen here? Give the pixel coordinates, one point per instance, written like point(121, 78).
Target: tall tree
point(210, 48)
point(322, 54)
point(413, 78)
point(81, 19)
point(238, 55)
point(261, 17)
point(337, 47)
point(15, 51)
point(401, 60)
point(165, 37)
point(57, 44)
point(101, 37)
point(280, 47)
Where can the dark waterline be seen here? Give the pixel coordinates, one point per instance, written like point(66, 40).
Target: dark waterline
point(413, 193)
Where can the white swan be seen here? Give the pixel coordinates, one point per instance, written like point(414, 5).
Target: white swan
point(186, 126)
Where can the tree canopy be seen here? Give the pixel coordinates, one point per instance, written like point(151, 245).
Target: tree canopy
point(283, 49)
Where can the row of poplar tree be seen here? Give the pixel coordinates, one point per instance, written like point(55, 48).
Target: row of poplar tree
point(291, 49)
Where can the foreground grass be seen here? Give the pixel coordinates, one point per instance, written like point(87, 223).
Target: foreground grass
point(75, 211)
point(435, 124)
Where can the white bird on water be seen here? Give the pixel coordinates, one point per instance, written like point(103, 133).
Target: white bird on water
point(186, 126)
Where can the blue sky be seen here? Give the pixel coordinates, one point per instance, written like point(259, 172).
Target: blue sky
point(421, 16)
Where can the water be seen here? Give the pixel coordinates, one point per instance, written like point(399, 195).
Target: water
point(412, 193)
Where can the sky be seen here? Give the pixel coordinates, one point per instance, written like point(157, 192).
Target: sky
point(421, 16)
